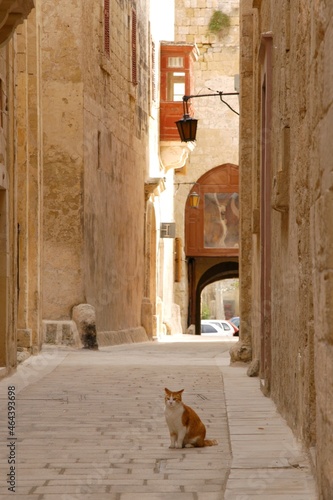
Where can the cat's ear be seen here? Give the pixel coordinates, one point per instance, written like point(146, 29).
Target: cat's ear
point(167, 390)
point(181, 392)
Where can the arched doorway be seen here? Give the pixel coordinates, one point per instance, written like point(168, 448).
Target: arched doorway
point(212, 234)
point(224, 270)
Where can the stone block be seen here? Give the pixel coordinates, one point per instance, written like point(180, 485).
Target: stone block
point(128, 336)
point(24, 338)
point(22, 355)
point(50, 333)
point(61, 333)
point(240, 352)
point(191, 330)
point(255, 223)
point(85, 318)
point(280, 198)
point(147, 316)
point(190, 39)
point(253, 369)
point(66, 338)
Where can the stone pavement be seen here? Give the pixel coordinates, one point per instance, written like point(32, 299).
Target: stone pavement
point(90, 425)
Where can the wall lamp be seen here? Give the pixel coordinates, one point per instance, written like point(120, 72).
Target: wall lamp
point(194, 197)
point(187, 126)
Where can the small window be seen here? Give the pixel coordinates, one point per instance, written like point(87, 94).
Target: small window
point(175, 62)
point(175, 86)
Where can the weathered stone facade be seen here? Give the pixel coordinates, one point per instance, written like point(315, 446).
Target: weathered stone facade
point(95, 161)
point(286, 197)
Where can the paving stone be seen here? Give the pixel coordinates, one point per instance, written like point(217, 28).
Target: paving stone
point(90, 425)
point(159, 496)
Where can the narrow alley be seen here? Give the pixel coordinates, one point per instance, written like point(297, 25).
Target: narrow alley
point(90, 425)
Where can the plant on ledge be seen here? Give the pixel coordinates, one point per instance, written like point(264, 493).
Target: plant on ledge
point(218, 22)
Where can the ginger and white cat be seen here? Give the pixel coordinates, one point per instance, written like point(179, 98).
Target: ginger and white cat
point(186, 428)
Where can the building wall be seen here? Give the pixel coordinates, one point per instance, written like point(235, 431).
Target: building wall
point(63, 159)
point(19, 167)
point(75, 186)
point(116, 159)
point(8, 220)
point(29, 183)
point(218, 127)
point(95, 161)
point(249, 182)
point(300, 265)
point(320, 105)
point(215, 69)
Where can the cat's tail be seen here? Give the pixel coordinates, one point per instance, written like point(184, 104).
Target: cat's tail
point(210, 442)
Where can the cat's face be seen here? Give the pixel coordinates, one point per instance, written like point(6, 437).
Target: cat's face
point(173, 399)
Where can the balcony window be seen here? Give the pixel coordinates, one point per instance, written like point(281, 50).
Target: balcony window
point(175, 86)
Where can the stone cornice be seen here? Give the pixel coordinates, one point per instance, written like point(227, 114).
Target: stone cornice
point(12, 13)
point(174, 154)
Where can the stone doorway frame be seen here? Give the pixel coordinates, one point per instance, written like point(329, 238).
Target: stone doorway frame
point(202, 272)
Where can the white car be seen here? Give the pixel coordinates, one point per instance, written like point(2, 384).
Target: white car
point(216, 328)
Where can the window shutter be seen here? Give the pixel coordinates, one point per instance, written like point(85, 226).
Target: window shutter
point(107, 27)
point(134, 51)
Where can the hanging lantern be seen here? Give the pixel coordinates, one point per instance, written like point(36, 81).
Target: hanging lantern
point(187, 128)
point(194, 199)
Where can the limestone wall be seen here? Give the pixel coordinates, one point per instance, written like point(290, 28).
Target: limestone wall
point(29, 184)
point(215, 69)
point(8, 219)
point(95, 159)
point(320, 105)
point(249, 205)
point(63, 160)
point(116, 160)
point(19, 168)
point(301, 200)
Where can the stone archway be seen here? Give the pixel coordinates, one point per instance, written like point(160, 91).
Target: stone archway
point(212, 233)
point(216, 272)
point(212, 229)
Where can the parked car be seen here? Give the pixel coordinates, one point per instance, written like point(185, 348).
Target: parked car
point(236, 330)
point(217, 327)
point(235, 321)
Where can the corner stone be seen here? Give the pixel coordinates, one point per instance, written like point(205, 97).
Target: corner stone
point(240, 352)
point(85, 318)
